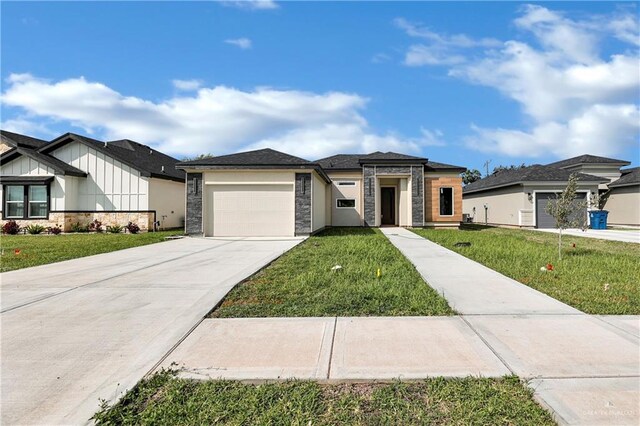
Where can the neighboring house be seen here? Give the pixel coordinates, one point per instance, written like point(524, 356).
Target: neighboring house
point(270, 193)
point(78, 179)
point(623, 203)
point(519, 197)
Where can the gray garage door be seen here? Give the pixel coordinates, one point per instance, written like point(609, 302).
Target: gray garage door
point(543, 219)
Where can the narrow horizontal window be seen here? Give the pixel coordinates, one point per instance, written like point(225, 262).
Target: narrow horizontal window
point(345, 203)
point(346, 184)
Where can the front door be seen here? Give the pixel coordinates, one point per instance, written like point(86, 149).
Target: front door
point(388, 206)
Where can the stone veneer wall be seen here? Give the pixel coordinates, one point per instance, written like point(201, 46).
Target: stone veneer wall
point(65, 219)
point(303, 203)
point(193, 217)
point(417, 196)
point(369, 174)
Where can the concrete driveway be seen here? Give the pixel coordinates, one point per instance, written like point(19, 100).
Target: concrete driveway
point(624, 235)
point(87, 329)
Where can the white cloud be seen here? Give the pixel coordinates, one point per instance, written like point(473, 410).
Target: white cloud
point(438, 49)
point(419, 55)
point(243, 42)
point(379, 58)
point(218, 120)
point(575, 101)
point(251, 4)
point(187, 85)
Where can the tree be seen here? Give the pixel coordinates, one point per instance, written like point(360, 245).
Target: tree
point(469, 176)
point(198, 157)
point(566, 210)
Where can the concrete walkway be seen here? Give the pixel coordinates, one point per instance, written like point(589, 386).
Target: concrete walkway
point(87, 329)
point(624, 235)
point(585, 369)
point(469, 287)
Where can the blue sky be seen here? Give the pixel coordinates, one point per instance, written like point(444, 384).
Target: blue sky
point(459, 83)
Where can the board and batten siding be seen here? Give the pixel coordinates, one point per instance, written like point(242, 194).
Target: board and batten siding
point(26, 166)
point(110, 184)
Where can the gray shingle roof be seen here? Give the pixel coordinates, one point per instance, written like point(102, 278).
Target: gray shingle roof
point(341, 162)
point(587, 159)
point(15, 139)
point(148, 161)
point(629, 177)
point(28, 146)
point(390, 156)
point(535, 173)
point(260, 157)
point(434, 166)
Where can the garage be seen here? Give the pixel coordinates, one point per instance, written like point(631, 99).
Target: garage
point(544, 219)
point(256, 210)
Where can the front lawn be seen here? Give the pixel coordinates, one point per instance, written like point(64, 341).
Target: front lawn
point(164, 399)
point(595, 276)
point(302, 284)
point(34, 250)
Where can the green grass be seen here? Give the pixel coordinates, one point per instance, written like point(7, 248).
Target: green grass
point(301, 283)
point(42, 249)
point(165, 399)
point(597, 276)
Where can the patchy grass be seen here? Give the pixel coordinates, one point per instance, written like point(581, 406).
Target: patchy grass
point(165, 399)
point(301, 283)
point(595, 276)
point(42, 249)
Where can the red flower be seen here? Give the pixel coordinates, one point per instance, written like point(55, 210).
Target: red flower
point(549, 267)
point(16, 251)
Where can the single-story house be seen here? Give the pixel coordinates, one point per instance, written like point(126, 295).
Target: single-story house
point(623, 203)
point(270, 193)
point(74, 178)
point(519, 197)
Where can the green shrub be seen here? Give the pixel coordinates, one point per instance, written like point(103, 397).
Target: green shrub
point(76, 227)
point(35, 229)
point(115, 229)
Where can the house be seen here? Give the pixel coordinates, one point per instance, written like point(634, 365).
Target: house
point(74, 178)
point(519, 197)
point(623, 203)
point(270, 193)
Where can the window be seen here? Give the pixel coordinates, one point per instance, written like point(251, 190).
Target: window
point(25, 201)
point(446, 201)
point(346, 183)
point(37, 201)
point(14, 204)
point(345, 203)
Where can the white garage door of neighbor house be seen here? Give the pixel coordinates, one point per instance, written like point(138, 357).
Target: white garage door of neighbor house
point(252, 210)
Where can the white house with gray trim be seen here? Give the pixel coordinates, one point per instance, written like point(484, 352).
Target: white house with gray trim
point(519, 197)
point(76, 179)
point(270, 193)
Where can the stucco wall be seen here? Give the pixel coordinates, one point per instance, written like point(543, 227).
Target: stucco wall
point(503, 205)
point(166, 197)
point(432, 185)
point(318, 202)
point(624, 206)
point(345, 217)
point(110, 185)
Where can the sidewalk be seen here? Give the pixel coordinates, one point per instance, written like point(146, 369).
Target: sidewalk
point(585, 369)
point(469, 287)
